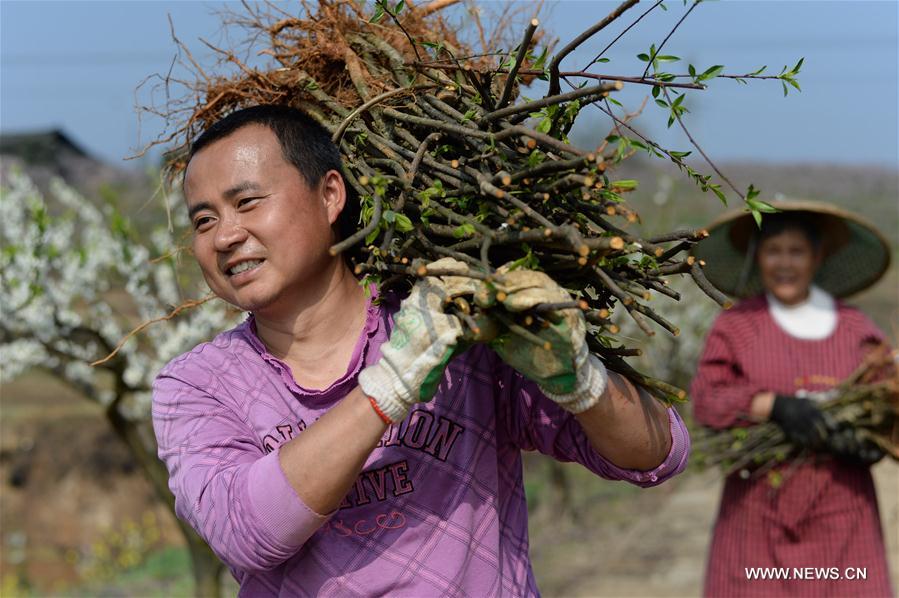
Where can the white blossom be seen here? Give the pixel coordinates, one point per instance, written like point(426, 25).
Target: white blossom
point(18, 356)
point(71, 286)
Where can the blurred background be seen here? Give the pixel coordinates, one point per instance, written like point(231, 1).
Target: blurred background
point(83, 510)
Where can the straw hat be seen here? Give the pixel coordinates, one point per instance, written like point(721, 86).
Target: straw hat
point(855, 253)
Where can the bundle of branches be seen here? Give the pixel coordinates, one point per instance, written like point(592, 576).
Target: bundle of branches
point(868, 401)
point(448, 159)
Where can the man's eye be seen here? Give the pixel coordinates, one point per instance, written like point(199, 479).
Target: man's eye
point(202, 222)
point(246, 201)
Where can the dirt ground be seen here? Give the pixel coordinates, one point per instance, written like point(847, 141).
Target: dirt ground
point(72, 504)
point(654, 545)
point(70, 495)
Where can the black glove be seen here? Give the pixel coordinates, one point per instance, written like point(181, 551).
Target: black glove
point(801, 421)
point(849, 444)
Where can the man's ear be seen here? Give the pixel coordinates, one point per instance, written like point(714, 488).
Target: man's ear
point(333, 194)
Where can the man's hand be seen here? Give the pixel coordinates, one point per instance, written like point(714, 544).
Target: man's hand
point(423, 340)
point(801, 421)
point(560, 364)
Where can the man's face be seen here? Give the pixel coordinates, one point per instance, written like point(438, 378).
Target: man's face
point(787, 264)
point(261, 234)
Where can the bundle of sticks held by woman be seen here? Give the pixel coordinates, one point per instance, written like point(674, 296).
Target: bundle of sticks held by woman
point(861, 417)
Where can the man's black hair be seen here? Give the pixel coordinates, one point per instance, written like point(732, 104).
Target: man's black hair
point(304, 143)
point(778, 222)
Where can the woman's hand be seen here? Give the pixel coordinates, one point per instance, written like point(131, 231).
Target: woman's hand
point(801, 421)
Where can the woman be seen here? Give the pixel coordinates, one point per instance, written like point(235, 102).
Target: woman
point(773, 357)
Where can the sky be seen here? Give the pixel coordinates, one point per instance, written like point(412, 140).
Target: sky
point(75, 66)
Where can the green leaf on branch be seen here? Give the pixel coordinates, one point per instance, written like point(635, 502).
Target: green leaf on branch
point(536, 157)
point(716, 189)
point(711, 72)
point(789, 76)
point(373, 235)
point(403, 223)
point(752, 193)
point(379, 184)
point(667, 58)
point(528, 260)
point(757, 216)
point(760, 206)
point(626, 184)
point(540, 62)
point(437, 47)
point(571, 111)
point(639, 144)
point(367, 209)
point(463, 230)
point(379, 14)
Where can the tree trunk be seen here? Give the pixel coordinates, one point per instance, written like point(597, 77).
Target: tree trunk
point(207, 568)
point(561, 484)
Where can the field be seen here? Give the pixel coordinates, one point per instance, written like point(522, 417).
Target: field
point(78, 519)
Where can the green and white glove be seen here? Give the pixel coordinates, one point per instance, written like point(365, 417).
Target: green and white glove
point(423, 340)
point(566, 372)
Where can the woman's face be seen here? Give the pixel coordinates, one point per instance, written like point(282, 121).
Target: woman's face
point(787, 263)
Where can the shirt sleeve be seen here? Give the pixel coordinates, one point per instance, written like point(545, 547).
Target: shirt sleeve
point(234, 495)
point(872, 338)
point(535, 422)
point(721, 394)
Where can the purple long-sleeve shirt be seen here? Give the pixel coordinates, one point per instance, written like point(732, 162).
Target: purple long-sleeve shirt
point(439, 508)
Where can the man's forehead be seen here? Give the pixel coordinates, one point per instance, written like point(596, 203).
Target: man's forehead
point(231, 158)
point(249, 143)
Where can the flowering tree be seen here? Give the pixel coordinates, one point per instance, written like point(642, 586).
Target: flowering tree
point(56, 274)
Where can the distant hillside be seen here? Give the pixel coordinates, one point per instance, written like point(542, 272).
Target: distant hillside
point(45, 155)
point(870, 192)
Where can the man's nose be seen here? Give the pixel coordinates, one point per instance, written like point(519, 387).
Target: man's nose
point(229, 234)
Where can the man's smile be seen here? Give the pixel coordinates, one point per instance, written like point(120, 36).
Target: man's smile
point(243, 266)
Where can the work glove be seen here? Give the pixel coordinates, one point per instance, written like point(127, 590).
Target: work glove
point(801, 421)
point(558, 359)
point(850, 444)
point(423, 340)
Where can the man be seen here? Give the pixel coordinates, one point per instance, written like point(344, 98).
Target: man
point(332, 445)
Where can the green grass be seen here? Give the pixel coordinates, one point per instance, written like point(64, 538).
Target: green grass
point(164, 574)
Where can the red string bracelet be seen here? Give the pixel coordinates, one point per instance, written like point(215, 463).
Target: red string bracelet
point(380, 413)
